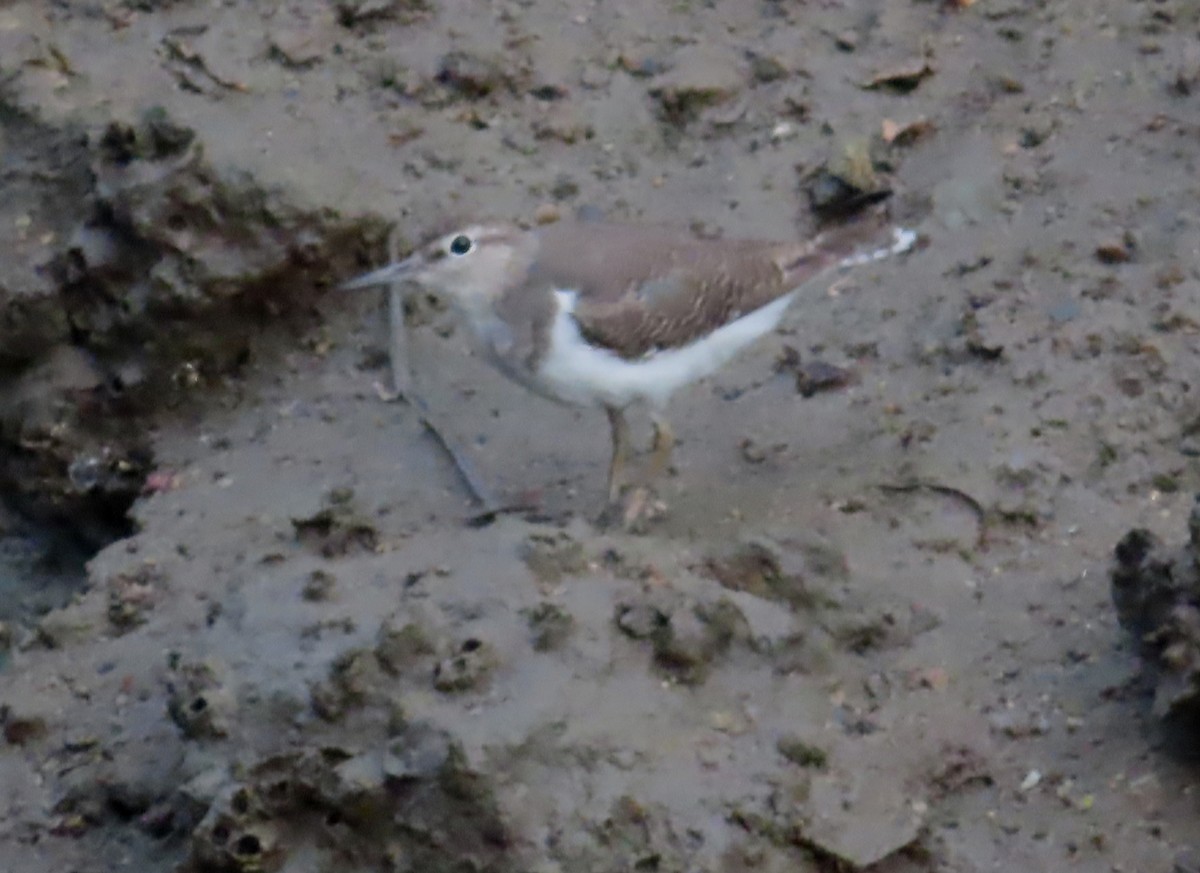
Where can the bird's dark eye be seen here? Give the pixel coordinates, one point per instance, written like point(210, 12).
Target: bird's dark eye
point(460, 245)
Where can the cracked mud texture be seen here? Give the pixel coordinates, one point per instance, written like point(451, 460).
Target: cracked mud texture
point(874, 627)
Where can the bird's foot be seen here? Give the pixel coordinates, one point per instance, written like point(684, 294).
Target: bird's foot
point(386, 394)
point(633, 511)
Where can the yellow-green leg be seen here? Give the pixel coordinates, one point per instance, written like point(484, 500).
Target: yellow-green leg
point(620, 452)
point(661, 448)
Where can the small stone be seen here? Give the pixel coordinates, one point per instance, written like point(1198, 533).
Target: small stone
point(301, 48)
point(903, 77)
point(551, 557)
point(693, 639)
point(319, 586)
point(398, 647)
point(802, 753)
point(765, 68)
point(355, 12)
point(19, 730)
point(792, 576)
point(702, 76)
point(640, 620)
point(476, 76)
point(419, 754)
point(859, 819)
point(895, 133)
point(551, 626)
point(547, 213)
point(752, 451)
point(336, 530)
point(564, 188)
point(784, 131)
point(640, 65)
point(199, 700)
point(352, 675)
point(847, 181)
point(1115, 251)
point(466, 670)
point(932, 678)
point(563, 122)
point(63, 627)
point(847, 40)
point(815, 377)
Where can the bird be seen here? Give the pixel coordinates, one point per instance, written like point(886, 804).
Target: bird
point(608, 315)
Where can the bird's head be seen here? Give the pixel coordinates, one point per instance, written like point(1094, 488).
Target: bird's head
point(470, 266)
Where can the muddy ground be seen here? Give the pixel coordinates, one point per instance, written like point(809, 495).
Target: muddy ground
point(873, 628)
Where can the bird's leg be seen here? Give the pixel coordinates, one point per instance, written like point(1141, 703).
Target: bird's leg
point(641, 506)
point(620, 451)
point(661, 448)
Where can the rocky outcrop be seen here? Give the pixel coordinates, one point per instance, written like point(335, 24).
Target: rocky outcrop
point(136, 273)
point(1156, 590)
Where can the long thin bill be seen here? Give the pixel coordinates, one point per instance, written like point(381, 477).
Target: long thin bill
point(383, 276)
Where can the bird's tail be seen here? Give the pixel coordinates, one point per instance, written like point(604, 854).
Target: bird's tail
point(902, 240)
point(870, 238)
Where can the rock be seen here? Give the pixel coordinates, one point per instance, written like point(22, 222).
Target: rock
point(303, 47)
point(800, 752)
point(352, 13)
point(67, 626)
point(399, 646)
point(384, 799)
point(563, 122)
point(859, 820)
point(903, 77)
point(133, 595)
point(767, 68)
point(767, 569)
point(695, 637)
point(639, 64)
point(553, 556)
point(183, 263)
point(337, 530)
point(475, 76)
point(814, 377)
point(237, 833)
point(1155, 591)
point(550, 626)
point(700, 77)
point(641, 620)
point(319, 586)
point(199, 699)
point(1116, 251)
point(547, 213)
point(21, 728)
point(353, 678)
point(846, 182)
point(847, 40)
point(420, 754)
point(468, 669)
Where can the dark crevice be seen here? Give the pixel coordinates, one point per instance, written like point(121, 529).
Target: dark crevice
point(127, 320)
point(43, 563)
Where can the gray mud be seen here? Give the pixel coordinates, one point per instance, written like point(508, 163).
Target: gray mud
point(872, 628)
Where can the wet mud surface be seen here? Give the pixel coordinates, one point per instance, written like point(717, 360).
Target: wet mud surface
point(879, 623)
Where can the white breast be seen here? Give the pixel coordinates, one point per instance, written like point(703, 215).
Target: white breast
point(581, 374)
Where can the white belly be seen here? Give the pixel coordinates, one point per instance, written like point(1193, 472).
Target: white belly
point(584, 375)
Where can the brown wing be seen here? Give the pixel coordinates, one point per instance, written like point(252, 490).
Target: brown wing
point(643, 289)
